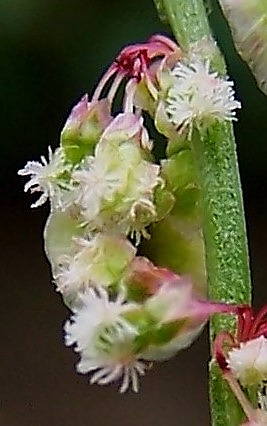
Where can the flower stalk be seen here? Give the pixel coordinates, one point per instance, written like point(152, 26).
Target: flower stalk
point(221, 198)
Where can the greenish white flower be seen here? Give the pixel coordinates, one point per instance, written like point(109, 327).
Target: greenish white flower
point(104, 339)
point(98, 262)
point(46, 177)
point(248, 362)
point(116, 188)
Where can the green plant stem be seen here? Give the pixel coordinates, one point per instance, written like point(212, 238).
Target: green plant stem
point(223, 215)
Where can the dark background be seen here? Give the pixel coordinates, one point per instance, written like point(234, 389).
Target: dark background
point(51, 52)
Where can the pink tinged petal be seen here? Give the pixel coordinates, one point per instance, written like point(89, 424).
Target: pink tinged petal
point(85, 110)
point(164, 41)
point(122, 128)
point(203, 309)
point(79, 110)
point(144, 275)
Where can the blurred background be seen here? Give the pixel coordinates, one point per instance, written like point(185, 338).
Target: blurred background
point(52, 52)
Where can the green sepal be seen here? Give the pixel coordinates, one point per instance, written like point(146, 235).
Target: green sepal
point(164, 201)
point(179, 170)
point(180, 231)
point(149, 331)
point(60, 229)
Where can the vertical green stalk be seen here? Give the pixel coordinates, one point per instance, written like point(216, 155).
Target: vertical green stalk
point(223, 215)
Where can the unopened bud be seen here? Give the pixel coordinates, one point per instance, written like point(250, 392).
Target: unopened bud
point(84, 127)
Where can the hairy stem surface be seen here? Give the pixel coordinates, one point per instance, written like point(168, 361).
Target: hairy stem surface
point(222, 206)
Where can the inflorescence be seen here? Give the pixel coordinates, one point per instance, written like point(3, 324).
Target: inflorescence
point(108, 195)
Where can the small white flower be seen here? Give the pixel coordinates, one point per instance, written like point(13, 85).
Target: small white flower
point(100, 261)
point(198, 95)
point(248, 362)
point(104, 339)
point(116, 189)
point(44, 177)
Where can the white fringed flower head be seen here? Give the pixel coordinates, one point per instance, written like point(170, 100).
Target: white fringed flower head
point(199, 96)
point(104, 339)
point(116, 189)
point(44, 177)
point(100, 261)
point(248, 362)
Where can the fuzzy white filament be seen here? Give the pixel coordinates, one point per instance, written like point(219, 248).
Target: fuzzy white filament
point(199, 95)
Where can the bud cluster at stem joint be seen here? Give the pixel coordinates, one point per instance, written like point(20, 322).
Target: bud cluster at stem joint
point(108, 195)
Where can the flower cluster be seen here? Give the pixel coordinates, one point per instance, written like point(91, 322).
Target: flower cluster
point(199, 96)
point(243, 359)
point(108, 195)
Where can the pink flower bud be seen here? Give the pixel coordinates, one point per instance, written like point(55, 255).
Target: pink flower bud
point(84, 128)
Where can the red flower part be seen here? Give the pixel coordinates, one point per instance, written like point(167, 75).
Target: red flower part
point(148, 277)
point(134, 61)
point(220, 342)
point(249, 327)
point(178, 292)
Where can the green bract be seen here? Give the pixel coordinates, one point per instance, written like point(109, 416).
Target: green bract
point(248, 22)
